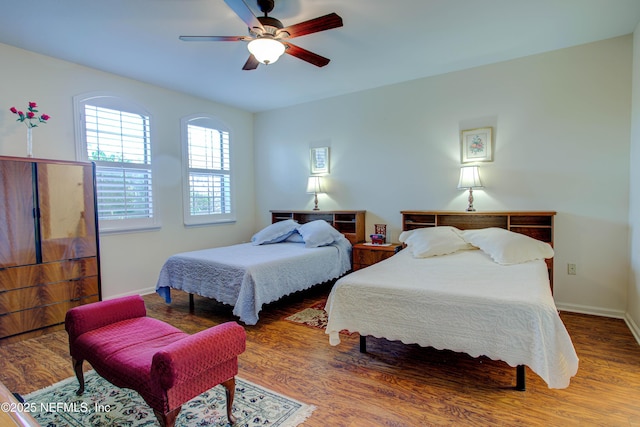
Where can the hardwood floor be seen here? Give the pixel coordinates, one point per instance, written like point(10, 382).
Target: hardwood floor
point(393, 384)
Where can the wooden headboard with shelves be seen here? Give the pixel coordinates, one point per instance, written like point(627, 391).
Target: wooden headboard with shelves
point(535, 224)
point(349, 223)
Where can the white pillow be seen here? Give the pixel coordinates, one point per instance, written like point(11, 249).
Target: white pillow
point(506, 247)
point(434, 241)
point(274, 233)
point(318, 233)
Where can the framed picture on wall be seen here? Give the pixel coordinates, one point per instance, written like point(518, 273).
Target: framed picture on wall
point(320, 160)
point(475, 145)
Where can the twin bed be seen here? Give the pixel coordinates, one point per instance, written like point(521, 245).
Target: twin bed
point(281, 259)
point(478, 283)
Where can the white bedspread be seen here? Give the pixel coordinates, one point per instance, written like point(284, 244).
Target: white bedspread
point(462, 302)
point(247, 276)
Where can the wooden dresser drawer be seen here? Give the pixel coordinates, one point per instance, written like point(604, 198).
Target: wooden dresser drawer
point(35, 296)
point(370, 257)
point(38, 274)
point(38, 296)
point(365, 255)
point(40, 317)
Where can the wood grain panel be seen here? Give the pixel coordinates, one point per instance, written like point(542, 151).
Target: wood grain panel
point(17, 226)
point(68, 248)
point(40, 317)
point(67, 211)
point(28, 298)
point(465, 222)
point(531, 220)
point(365, 255)
point(33, 275)
point(543, 234)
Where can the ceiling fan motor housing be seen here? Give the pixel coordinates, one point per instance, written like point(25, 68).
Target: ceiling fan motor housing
point(271, 26)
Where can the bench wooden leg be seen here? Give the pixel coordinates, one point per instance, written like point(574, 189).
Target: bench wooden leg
point(520, 378)
point(168, 419)
point(77, 368)
point(363, 343)
point(230, 388)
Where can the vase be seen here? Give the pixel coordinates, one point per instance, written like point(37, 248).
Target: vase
point(29, 143)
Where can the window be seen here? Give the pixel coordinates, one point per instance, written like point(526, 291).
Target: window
point(207, 171)
point(116, 136)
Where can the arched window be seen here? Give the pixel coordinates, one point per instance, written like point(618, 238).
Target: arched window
point(206, 151)
point(116, 135)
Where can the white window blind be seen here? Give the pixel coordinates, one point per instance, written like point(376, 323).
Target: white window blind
point(208, 171)
point(117, 138)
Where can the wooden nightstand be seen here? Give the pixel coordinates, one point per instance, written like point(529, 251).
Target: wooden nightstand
point(365, 255)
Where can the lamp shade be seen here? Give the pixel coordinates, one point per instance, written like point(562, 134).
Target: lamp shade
point(469, 178)
point(314, 185)
point(266, 50)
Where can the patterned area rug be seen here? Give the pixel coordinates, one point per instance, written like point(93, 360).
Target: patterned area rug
point(314, 316)
point(103, 404)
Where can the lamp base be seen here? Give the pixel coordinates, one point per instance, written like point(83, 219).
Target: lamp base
point(315, 200)
point(470, 208)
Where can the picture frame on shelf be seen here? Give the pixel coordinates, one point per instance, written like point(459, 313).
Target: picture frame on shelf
point(475, 145)
point(319, 157)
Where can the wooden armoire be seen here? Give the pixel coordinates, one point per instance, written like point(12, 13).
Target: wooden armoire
point(49, 254)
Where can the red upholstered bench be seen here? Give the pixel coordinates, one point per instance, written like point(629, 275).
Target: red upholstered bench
point(166, 366)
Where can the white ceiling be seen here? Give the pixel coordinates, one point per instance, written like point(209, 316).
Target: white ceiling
point(382, 41)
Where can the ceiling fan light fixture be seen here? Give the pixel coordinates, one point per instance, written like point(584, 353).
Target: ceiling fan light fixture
point(266, 50)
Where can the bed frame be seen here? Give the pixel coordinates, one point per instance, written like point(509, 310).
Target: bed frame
point(535, 224)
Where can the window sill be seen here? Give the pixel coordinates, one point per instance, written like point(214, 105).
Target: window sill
point(207, 223)
point(140, 229)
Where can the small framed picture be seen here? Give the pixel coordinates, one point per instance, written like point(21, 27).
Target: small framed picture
point(320, 161)
point(475, 145)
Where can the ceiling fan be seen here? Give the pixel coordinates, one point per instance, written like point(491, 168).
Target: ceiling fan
point(269, 39)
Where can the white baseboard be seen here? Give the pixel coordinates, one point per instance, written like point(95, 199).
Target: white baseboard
point(144, 291)
point(596, 311)
point(634, 328)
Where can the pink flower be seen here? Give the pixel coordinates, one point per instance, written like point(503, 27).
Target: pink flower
point(30, 119)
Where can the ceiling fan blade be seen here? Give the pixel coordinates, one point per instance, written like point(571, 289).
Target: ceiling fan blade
point(305, 55)
point(243, 11)
point(322, 23)
point(213, 38)
point(251, 64)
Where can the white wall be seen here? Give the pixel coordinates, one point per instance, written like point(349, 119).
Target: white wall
point(562, 136)
point(130, 262)
point(562, 125)
point(633, 304)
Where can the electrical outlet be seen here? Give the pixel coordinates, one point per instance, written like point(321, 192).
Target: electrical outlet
point(571, 269)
